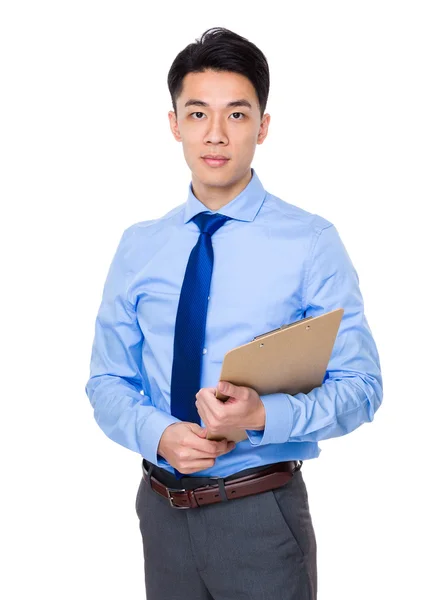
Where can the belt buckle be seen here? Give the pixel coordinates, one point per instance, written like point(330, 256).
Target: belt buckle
point(171, 499)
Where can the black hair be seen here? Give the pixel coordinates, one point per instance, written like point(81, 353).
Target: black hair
point(220, 49)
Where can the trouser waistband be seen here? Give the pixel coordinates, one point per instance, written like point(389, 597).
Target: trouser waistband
point(191, 482)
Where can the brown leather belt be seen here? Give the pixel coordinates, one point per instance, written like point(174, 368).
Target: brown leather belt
point(263, 480)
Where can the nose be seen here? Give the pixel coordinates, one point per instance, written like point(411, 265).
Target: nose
point(216, 133)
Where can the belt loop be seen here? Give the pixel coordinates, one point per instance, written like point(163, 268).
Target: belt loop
point(149, 471)
point(222, 491)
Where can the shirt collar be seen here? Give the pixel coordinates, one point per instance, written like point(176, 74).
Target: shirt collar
point(244, 207)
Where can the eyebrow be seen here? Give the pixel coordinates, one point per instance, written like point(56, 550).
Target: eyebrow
point(234, 103)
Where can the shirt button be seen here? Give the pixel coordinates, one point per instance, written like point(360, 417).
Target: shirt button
point(209, 297)
point(204, 350)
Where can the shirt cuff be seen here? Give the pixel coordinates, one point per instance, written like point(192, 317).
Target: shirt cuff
point(150, 435)
point(278, 421)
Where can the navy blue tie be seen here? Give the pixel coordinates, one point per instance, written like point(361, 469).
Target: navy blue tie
point(190, 322)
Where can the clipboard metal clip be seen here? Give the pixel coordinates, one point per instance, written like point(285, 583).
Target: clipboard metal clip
point(257, 337)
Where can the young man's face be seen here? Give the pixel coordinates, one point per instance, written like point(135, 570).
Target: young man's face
point(218, 129)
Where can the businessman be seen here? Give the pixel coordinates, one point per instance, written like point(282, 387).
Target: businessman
point(220, 520)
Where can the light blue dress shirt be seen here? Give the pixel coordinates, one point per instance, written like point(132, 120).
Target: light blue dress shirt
point(274, 263)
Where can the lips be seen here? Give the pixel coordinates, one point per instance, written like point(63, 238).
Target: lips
point(215, 162)
point(215, 156)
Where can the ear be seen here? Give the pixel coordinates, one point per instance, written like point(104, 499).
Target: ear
point(263, 130)
point(173, 122)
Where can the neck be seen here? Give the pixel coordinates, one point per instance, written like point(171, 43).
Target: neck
point(215, 197)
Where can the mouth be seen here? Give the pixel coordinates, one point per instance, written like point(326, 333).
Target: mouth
point(215, 162)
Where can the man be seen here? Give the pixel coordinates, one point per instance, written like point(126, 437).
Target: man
point(222, 520)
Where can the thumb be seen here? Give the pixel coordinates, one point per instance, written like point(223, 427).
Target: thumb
point(225, 387)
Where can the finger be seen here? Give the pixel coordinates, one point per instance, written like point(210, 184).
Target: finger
point(188, 467)
point(200, 453)
point(197, 456)
point(207, 447)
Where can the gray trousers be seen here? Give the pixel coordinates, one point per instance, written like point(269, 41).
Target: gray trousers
point(260, 547)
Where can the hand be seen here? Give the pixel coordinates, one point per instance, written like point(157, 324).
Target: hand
point(184, 446)
point(244, 408)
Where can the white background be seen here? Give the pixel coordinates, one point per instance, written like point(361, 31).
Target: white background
point(86, 151)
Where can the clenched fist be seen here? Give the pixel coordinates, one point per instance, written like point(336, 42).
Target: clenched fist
point(185, 447)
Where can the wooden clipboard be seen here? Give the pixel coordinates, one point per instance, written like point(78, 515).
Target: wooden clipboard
point(292, 358)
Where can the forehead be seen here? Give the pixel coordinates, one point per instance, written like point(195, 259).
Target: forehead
point(217, 88)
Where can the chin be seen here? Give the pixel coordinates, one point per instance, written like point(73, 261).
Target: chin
point(216, 180)
point(209, 176)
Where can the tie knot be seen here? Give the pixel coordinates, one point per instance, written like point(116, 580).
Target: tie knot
point(209, 223)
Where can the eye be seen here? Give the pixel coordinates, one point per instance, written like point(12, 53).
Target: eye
point(235, 113)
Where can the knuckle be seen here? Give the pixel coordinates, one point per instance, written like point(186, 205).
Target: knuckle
point(182, 454)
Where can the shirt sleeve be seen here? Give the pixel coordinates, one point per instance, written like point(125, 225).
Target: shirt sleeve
point(352, 389)
point(117, 375)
